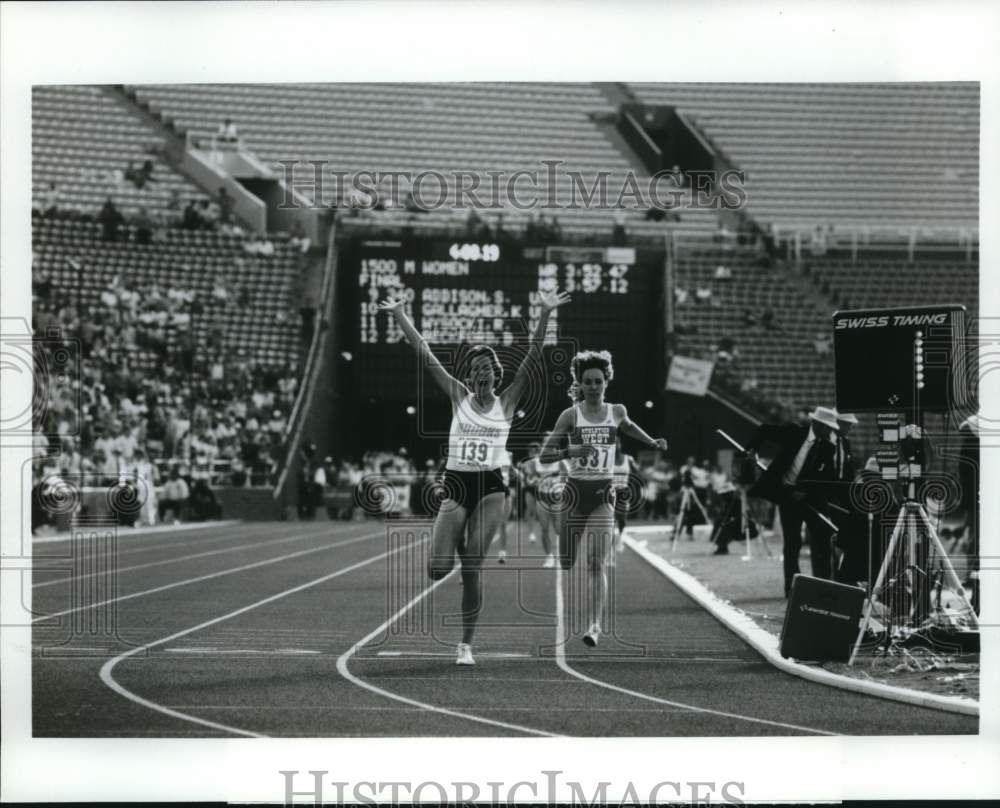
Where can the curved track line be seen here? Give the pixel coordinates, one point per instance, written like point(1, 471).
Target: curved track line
point(564, 666)
point(344, 659)
point(109, 666)
point(207, 577)
point(177, 559)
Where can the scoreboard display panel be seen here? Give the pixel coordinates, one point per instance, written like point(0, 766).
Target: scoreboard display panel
point(464, 293)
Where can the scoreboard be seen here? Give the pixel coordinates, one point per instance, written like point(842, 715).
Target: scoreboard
point(462, 293)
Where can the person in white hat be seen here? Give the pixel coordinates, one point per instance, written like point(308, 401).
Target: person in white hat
point(797, 481)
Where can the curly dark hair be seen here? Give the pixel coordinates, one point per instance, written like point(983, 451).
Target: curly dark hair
point(588, 360)
point(472, 354)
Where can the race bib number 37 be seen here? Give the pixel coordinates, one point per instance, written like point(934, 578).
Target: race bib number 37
point(598, 460)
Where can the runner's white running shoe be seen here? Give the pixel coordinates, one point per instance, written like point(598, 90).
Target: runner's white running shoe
point(464, 654)
point(502, 557)
point(550, 562)
point(532, 537)
point(591, 637)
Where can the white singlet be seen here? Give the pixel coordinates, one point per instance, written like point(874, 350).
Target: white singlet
point(549, 475)
point(600, 434)
point(505, 461)
point(477, 441)
point(620, 472)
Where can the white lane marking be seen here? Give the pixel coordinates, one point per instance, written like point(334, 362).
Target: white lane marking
point(531, 679)
point(479, 654)
point(209, 576)
point(193, 538)
point(766, 644)
point(563, 665)
point(138, 534)
point(396, 709)
point(278, 651)
point(178, 559)
point(344, 659)
point(109, 666)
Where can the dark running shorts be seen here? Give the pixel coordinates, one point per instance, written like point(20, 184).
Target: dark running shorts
point(466, 488)
point(586, 496)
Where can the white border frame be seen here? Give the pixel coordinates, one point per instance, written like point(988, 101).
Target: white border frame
point(392, 40)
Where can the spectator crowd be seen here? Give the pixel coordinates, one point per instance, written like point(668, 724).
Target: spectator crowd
point(151, 397)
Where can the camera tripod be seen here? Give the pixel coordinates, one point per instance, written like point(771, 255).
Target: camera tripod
point(688, 496)
point(740, 501)
point(911, 517)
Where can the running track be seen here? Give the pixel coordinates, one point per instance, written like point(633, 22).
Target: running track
point(332, 630)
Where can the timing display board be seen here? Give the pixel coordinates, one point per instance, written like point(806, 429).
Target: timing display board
point(882, 355)
point(459, 294)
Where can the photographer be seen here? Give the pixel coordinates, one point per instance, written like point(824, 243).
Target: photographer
point(798, 481)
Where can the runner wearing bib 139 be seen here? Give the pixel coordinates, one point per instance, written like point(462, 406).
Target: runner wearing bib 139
point(481, 419)
point(589, 428)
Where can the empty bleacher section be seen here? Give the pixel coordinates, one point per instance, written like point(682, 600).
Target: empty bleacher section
point(853, 155)
point(755, 322)
point(83, 140)
point(416, 127)
point(886, 281)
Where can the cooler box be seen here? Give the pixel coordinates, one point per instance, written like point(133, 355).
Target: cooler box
point(822, 620)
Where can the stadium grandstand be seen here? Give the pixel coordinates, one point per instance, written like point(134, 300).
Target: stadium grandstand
point(855, 195)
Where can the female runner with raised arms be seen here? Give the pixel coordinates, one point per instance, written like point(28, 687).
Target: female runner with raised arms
point(480, 424)
point(591, 426)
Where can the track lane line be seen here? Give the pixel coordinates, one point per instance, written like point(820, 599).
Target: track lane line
point(108, 668)
point(138, 533)
point(344, 660)
point(209, 576)
point(567, 668)
point(192, 538)
point(178, 559)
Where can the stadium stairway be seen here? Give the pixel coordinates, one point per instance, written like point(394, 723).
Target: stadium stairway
point(260, 196)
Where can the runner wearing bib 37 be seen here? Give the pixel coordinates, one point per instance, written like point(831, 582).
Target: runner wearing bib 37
point(480, 425)
point(590, 428)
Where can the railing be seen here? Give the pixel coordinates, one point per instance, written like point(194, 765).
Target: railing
point(801, 243)
point(310, 373)
point(639, 140)
point(216, 472)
